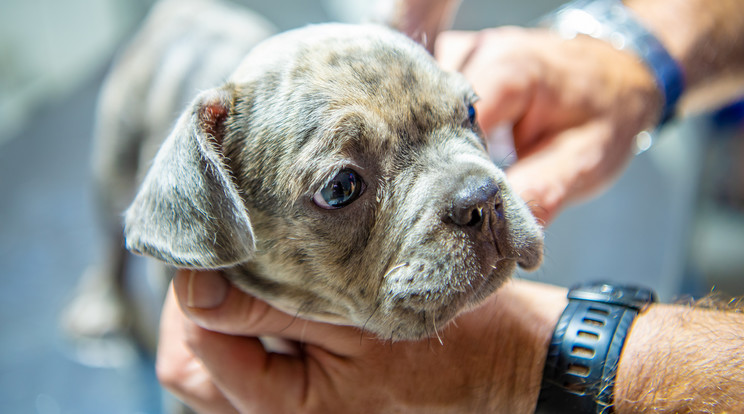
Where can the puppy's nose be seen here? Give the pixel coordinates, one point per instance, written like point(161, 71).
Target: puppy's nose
point(476, 199)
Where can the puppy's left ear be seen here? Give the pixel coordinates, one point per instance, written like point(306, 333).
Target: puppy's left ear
point(188, 211)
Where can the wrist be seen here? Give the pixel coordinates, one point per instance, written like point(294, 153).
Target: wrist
point(530, 310)
point(637, 347)
point(618, 25)
point(581, 366)
point(705, 37)
point(664, 20)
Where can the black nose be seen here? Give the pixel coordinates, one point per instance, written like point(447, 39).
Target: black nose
point(476, 199)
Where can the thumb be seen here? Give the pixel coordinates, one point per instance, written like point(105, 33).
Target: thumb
point(228, 310)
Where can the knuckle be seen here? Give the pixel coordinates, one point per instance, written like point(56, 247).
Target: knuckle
point(255, 314)
point(170, 374)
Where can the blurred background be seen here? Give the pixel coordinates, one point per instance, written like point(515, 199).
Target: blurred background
point(674, 221)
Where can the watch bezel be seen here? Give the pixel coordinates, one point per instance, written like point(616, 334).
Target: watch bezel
point(630, 296)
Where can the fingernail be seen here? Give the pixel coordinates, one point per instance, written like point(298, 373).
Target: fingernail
point(206, 289)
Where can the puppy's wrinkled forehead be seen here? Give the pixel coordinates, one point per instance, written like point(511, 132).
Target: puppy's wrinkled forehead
point(350, 90)
point(389, 85)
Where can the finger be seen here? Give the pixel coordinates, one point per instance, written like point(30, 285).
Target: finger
point(505, 89)
point(254, 380)
point(544, 196)
point(499, 73)
point(504, 83)
point(179, 371)
point(244, 315)
point(571, 166)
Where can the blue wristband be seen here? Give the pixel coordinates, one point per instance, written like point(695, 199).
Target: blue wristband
point(611, 21)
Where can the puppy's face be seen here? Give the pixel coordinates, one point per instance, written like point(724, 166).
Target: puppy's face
point(339, 175)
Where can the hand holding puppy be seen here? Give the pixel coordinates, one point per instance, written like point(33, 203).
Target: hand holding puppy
point(210, 356)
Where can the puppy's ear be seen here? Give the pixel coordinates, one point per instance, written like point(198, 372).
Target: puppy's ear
point(188, 211)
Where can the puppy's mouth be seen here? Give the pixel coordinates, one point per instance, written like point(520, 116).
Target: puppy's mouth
point(412, 308)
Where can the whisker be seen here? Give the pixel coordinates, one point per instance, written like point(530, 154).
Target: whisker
point(295, 318)
point(394, 268)
point(505, 162)
point(426, 328)
point(434, 323)
point(302, 333)
point(364, 326)
point(534, 205)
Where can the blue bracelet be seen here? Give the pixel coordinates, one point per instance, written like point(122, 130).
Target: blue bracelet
point(611, 21)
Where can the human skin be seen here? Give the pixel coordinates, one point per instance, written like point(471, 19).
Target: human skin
point(421, 20)
point(683, 359)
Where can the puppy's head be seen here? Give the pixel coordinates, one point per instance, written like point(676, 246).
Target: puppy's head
point(340, 175)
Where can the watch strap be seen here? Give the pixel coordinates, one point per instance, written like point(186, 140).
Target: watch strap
point(582, 358)
point(584, 353)
point(611, 21)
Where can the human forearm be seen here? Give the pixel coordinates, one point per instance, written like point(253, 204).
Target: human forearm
point(705, 37)
point(681, 359)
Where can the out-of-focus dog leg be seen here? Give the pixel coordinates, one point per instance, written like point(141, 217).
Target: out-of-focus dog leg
point(98, 318)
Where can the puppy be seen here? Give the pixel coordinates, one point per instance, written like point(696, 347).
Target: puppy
point(341, 176)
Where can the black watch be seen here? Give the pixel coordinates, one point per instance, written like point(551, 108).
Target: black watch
point(582, 360)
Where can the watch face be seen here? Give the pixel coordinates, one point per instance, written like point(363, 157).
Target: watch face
point(634, 297)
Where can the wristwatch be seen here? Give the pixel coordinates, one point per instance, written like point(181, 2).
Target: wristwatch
point(581, 364)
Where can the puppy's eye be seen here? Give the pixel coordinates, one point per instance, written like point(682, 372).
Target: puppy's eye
point(470, 121)
point(341, 191)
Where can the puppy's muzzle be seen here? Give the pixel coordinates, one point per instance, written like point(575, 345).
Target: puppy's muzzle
point(474, 227)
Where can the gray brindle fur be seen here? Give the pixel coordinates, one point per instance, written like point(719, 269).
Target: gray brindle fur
point(435, 230)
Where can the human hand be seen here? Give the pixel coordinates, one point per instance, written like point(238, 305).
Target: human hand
point(488, 360)
point(575, 106)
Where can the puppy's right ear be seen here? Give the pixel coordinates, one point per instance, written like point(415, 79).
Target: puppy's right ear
point(188, 211)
